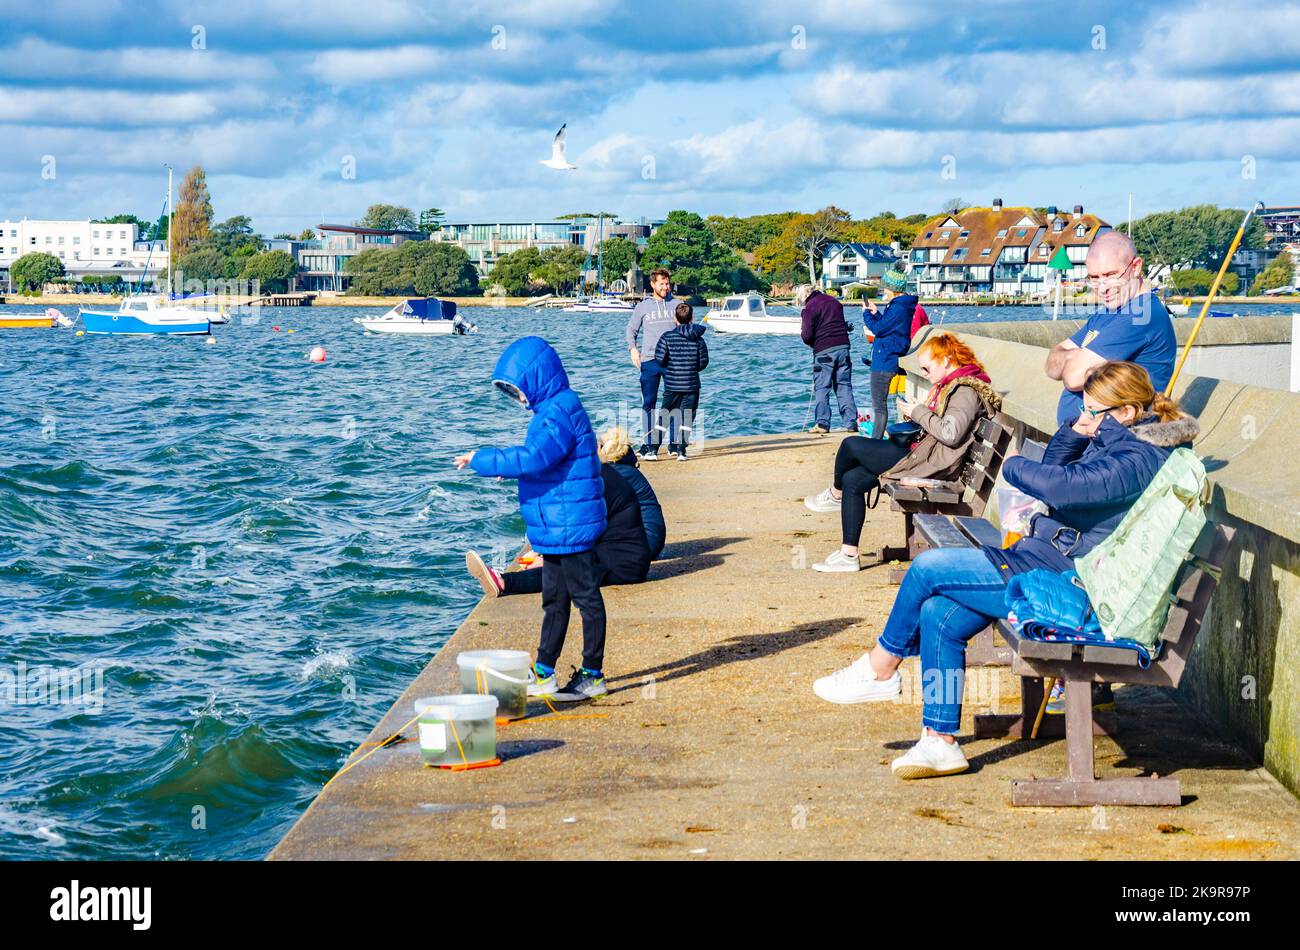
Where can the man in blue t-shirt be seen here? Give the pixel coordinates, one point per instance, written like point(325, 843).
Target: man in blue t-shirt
point(1131, 324)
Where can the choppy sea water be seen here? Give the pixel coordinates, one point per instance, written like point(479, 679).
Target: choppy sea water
point(236, 559)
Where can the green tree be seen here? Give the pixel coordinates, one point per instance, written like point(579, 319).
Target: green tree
point(686, 246)
point(1280, 272)
point(205, 264)
point(617, 255)
point(514, 271)
point(431, 219)
point(233, 235)
point(388, 218)
point(31, 272)
point(1196, 281)
point(271, 269)
point(559, 268)
point(413, 267)
point(441, 268)
point(746, 234)
point(1193, 237)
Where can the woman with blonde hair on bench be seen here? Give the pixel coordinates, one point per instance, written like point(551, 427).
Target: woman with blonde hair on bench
point(1092, 471)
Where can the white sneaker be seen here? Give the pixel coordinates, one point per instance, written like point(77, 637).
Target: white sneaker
point(823, 502)
point(930, 757)
point(838, 563)
point(542, 686)
point(857, 683)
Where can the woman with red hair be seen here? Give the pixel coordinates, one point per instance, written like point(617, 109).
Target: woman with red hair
point(959, 398)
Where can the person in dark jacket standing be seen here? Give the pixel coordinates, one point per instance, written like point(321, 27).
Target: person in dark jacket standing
point(892, 329)
point(681, 353)
point(1093, 472)
point(562, 501)
point(822, 328)
point(622, 552)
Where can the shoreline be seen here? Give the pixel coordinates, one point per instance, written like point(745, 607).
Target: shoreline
point(48, 300)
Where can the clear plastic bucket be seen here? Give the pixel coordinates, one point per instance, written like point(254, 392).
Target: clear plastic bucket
point(504, 674)
point(457, 730)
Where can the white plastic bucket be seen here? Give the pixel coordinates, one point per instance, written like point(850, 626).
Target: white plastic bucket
point(504, 674)
point(457, 730)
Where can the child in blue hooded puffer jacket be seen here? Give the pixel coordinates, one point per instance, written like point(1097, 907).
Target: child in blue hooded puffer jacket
point(561, 498)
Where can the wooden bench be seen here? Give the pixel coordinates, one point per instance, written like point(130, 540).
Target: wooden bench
point(942, 531)
point(965, 496)
point(1080, 665)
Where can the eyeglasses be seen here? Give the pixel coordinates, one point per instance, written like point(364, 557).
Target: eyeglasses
point(1094, 413)
point(1114, 279)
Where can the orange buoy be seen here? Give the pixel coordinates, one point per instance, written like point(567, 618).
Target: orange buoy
point(317, 354)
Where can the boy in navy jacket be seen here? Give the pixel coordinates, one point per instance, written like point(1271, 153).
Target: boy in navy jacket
point(681, 353)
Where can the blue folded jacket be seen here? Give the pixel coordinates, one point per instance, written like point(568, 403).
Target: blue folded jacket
point(1054, 607)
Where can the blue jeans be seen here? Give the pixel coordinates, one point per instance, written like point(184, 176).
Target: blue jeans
point(948, 595)
point(832, 369)
point(651, 373)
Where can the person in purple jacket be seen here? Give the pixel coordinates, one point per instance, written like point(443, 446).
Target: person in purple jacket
point(824, 330)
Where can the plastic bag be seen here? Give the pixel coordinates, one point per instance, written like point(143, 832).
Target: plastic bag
point(1015, 509)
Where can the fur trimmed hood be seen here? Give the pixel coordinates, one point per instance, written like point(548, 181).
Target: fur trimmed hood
point(1166, 435)
point(981, 388)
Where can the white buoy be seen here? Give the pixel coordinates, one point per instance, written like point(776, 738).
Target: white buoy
point(317, 354)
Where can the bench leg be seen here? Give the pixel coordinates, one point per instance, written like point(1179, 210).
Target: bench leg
point(912, 546)
point(1081, 786)
point(1021, 725)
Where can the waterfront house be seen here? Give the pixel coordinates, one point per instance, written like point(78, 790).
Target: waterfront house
point(321, 261)
point(86, 248)
point(855, 262)
point(999, 250)
point(487, 242)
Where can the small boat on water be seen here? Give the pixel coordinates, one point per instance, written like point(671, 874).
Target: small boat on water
point(606, 303)
point(23, 320)
point(420, 315)
point(748, 313)
point(149, 314)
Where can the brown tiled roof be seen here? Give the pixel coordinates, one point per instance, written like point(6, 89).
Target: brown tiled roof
point(983, 225)
point(1067, 236)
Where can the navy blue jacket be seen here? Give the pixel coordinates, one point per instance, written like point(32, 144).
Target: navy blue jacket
point(892, 328)
point(681, 353)
point(652, 514)
point(561, 492)
point(621, 553)
point(1088, 485)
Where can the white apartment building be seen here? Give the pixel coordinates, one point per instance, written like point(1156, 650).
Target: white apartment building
point(84, 247)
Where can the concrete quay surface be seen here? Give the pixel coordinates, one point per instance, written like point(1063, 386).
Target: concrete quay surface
point(714, 746)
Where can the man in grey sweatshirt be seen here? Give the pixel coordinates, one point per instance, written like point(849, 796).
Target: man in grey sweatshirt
point(652, 317)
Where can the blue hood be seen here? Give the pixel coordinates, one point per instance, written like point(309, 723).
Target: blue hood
point(534, 368)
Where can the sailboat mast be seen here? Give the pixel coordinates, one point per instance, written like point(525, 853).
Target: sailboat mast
point(171, 262)
point(600, 255)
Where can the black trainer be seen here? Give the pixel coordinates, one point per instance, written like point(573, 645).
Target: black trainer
point(583, 686)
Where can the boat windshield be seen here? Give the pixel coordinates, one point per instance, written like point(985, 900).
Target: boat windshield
point(734, 304)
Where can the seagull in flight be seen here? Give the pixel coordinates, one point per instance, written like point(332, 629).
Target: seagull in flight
point(557, 159)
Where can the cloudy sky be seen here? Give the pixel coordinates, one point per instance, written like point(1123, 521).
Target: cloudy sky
point(308, 111)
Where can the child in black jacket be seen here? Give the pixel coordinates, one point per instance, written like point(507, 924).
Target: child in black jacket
point(681, 353)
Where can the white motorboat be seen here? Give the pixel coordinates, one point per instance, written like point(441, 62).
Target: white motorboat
point(747, 313)
point(580, 305)
point(609, 304)
point(422, 315)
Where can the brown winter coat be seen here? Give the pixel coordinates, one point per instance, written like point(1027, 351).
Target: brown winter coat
point(949, 430)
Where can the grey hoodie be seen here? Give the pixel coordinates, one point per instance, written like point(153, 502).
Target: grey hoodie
point(652, 318)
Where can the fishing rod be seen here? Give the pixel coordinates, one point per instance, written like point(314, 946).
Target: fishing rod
point(1214, 290)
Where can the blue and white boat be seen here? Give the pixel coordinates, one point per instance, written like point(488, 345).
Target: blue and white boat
point(142, 314)
point(421, 315)
point(147, 314)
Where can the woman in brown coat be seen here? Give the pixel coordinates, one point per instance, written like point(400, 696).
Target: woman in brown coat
point(959, 399)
